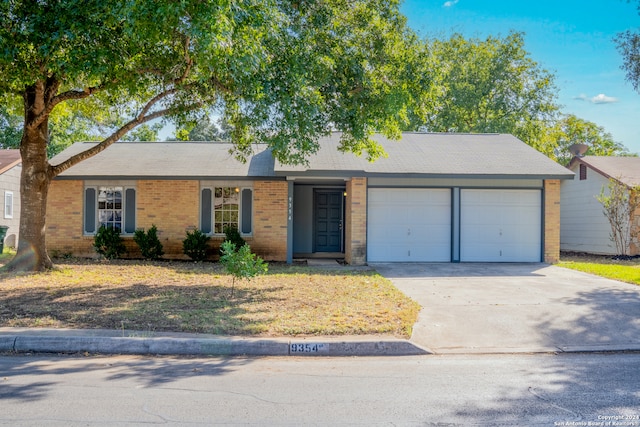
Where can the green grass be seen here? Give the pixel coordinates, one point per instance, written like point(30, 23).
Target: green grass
point(625, 271)
point(6, 255)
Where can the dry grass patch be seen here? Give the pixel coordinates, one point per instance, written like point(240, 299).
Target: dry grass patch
point(189, 297)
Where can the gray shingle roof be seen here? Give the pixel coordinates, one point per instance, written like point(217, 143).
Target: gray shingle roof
point(624, 169)
point(165, 160)
point(438, 155)
point(416, 154)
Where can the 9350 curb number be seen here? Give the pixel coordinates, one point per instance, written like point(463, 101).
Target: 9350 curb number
point(297, 348)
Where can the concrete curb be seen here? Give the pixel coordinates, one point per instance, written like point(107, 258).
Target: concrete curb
point(322, 346)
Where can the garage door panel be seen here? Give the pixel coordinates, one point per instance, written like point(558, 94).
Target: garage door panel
point(501, 225)
point(409, 225)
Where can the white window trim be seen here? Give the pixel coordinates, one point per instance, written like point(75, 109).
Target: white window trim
point(212, 186)
point(108, 183)
point(8, 196)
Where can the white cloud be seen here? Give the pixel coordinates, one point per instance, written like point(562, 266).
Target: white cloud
point(598, 99)
point(450, 3)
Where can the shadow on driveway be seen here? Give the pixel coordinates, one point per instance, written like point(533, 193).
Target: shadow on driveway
point(503, 308)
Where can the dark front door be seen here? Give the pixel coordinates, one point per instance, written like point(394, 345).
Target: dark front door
point(328, 221)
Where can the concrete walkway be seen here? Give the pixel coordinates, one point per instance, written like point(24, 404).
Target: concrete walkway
point(511, 308)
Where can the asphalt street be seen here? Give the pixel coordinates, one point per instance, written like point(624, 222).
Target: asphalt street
point(593, 389)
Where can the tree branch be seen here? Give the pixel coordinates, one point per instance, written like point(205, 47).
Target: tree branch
point(143, 117)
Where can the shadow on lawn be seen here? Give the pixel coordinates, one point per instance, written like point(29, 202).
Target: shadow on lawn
point(143, 307)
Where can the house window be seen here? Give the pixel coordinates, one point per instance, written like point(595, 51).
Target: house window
point(111, 207)
point(8, 204)
point(583, 172)
point(223, 207)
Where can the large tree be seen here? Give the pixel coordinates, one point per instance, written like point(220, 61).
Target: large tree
point(489, 85)
point(569, 130)
point(282, 72)
point(628, 43)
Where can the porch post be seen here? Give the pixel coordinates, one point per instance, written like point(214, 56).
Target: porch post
point(290, 222)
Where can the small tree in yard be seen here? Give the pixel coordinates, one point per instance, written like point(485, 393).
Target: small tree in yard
point(241, 263)
point(619, 204)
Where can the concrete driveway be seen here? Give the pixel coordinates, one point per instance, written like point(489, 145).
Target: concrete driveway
point(498, 308)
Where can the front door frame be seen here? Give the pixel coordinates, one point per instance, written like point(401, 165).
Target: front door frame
point(341, 222)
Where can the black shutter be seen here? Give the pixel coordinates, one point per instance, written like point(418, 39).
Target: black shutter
point(129, 210)
point(247, 201)
point(205, 211)
point(89, 210)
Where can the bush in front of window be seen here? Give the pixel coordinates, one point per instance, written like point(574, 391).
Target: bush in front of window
point(231, 234)
point(195, 245)
point(108, 242)
point(148, 242)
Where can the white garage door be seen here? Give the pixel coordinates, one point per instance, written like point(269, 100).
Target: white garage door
point(501, 225)
point(409, 225)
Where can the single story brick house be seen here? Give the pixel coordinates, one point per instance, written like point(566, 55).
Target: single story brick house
point(583, 224)
point(436, 197)
point(10, 170)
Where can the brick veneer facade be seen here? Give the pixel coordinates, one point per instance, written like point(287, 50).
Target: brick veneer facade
point(174, 207)
point(270, 207)
point(356, 221)
point(551, 221)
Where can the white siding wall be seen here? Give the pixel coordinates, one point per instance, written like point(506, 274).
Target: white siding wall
point(10, 181)
point(583, 225)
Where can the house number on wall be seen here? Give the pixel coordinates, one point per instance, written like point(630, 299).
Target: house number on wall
point(290, 207)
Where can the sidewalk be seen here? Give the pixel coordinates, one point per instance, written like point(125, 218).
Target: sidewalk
point(47, 340)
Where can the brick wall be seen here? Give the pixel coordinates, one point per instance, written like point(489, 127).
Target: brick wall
point(270, 220)
point(356, 221)
point(65, 220)
point(551, 221)
point(173, 206)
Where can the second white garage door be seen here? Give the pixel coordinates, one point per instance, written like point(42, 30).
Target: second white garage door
point(501, 225)
point(409, 225)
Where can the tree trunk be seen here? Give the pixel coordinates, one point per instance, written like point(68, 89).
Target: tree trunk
point(34, 181)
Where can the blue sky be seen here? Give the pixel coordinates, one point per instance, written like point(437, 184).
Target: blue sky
point(571, 38)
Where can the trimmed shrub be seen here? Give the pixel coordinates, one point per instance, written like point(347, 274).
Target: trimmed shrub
point(231, 234)
point(149, 243)
point(195, 245)
point(108, 242)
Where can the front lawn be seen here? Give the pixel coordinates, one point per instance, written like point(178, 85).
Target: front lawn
point(196, 297)
point(605, 266)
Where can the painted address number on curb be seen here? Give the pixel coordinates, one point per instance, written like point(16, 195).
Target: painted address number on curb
point(295, 348)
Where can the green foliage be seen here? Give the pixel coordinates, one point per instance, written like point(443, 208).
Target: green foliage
point(231, 234)
point(619, 202)
point(195, 245)
point(241, 263)
point(149, 244)
point(489, 85)
point(573, 130)
point(283, 73)
point(108, 242)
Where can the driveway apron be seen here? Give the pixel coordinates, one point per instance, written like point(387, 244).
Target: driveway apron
point(505, 308)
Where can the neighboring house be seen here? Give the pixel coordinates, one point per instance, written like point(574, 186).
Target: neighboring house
point(436, 197)
point(10, 169)
point(583, 224)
